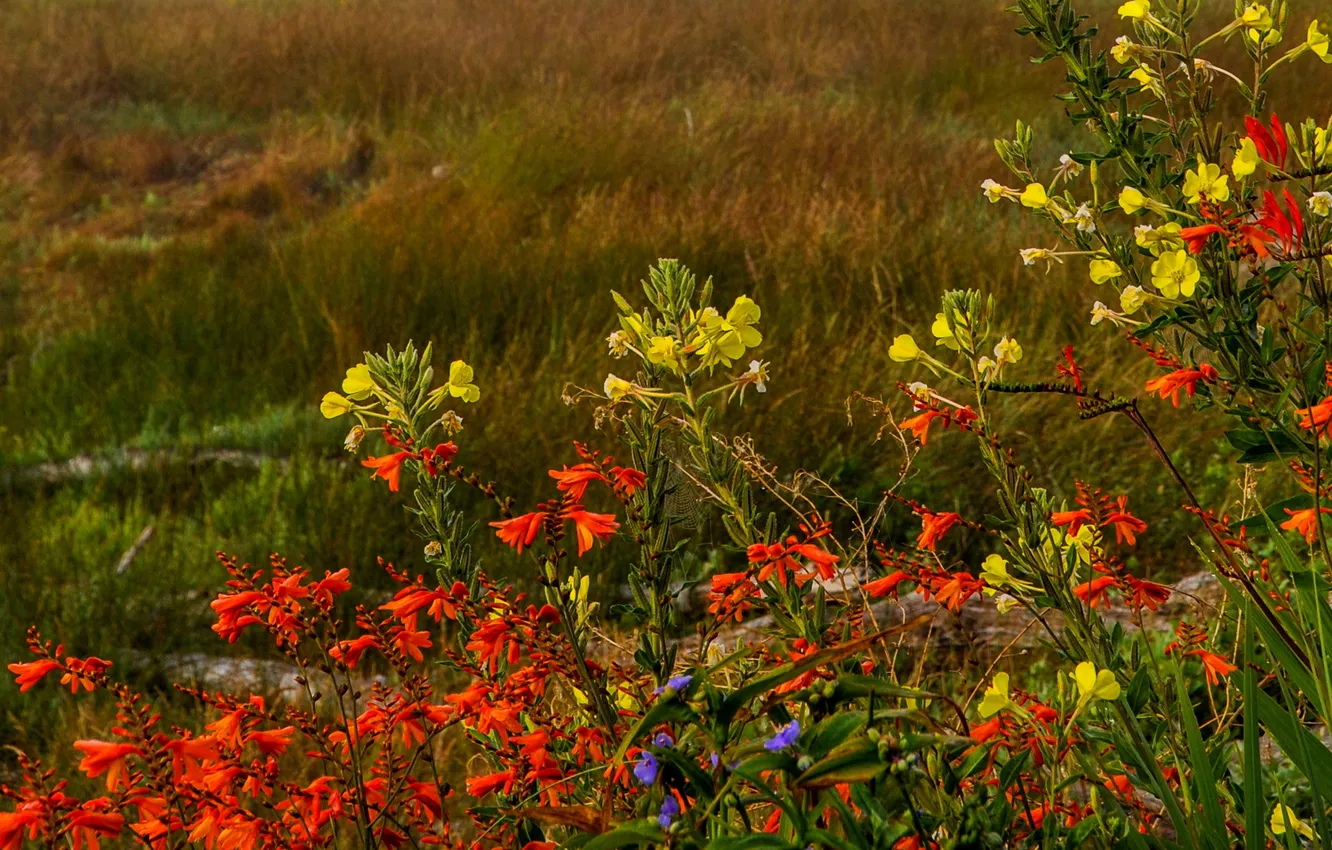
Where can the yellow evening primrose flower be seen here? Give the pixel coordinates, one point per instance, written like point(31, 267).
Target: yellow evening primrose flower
point(1095, 684)
point(1320, 204)
point(994, 191)
point(1131, 200)
point(1207, 183)
point(616, 388)
point(1256, 16)
point(1147, 79)
point(742, 316)
point(1034, 196)
point(1246, 159)
point(1317, 41)
point(460, 382)
point(357, 385)
point(1136, 10)
point(1102, 269)
point(334, 405)
point(1157, 239)
point(996, 697)
point(904, 349)
point(1124, 50)
point(994, 572)
point(1131, 299)
point(1175, 273)
point(1284, 819)
point(1007, 351)
point(666, 351)
point(943, 335)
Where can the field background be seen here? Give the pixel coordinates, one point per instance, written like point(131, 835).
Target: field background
point(210, 208)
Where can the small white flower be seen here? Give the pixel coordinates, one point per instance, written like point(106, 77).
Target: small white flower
point(1007, 351)
point(984, 364)
point(1068, 168)
point(919, 389)
point(433, 549)
point(1032, 256)
point(1320, 204)
point(758, 375)
point(1084, 219)
point(994, 191)
point(618, 343)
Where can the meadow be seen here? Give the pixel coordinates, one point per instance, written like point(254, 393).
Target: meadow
point(209, 209)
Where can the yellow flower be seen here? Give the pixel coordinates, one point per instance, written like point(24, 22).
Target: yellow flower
point(357, 385)
point(744, 313)
point(1283, 819)
point(1132, 299)
point(994, 572)
point(722, 340)
point(1246, 159)
point(1256, 16)
point(1147, 78)
point(1095, 684)
point(352, 441)
point(1207, 183)
point(1136, 10)
point(1131, 200)
point(460, 382)
point(904, 349)
point(996, 192)
point(996, 696)
point(1175, 274)
point(666, 351)
point(1103, 269)
point(1124, 50)
point(943, 335)
point(1317, 41)
point(1320, 204)
point(617, 388)
point(1158, 239)
point(1034, 196)
point(334, 405)
point(1007, 351)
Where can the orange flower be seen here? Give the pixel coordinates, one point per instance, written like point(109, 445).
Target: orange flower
point(1073, 519)
point(1126, 525)
point(590, 526)
point(13, 825)
point(953, 593)
point(1096, 591)
point(90, 826)
point(1146, 594)
point(1215, 668)
point(1169, 386)
point(272, 741)
point(987, 730)
point(29, 673)
point(349, 652)
point(81, 672)
point(410, 642)
point(1317, 417)
point(574, 481)
point(934, 527)
point(1305, 522)
point(886, 585)
point(388, 467)
point(920, 424)
point(628, 479)
point(101, 757)
point(521, 530)
point(479, 786)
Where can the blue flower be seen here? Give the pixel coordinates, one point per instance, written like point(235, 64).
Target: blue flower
point(785, 737)
point(663, 739)
point(675, 683)
point(670, 810)
point(646, 769)
point(715, 759)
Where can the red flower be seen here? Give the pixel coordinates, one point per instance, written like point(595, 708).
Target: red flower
point(101, 757)
point(89, 826)
point(440, 455)
point(628, 479)
point(1316, 417)
point(81, 672)
point(1169, 386)
point(273, 741)
point(987, 730)
point(886, 585)
point(1196, 237)
point(479, 786)
point(12, 826)
point(1215, 668)
point(388, 467)
point(29, 673)
point(1286, 225)
point(1073, 519)
point(934, 527)
point(1127, 526)
point(1272, 145)
point(1305, 522)
point(521, 530)
point(1146, 594)
point(411, 642)
point(1096, 592)
point(590, 526)
point(574, 481)
point(920, 424)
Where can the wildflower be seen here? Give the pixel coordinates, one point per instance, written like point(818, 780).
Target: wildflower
point(757, 375)
point(388, 467)
point(589, 526)
point(784, 739)
point(29, 673)
point(996, 192)
point(1317, 41)
point(1169, 386)
point(1096, 592)
point(1131, 200)
point(1124, 50)
point(522, 530)
point(451, 422)
point(1103, 269)
point(460, 382)
point(574, 481)
point(1246, 158)
point(675, 684)
point(1084, 219)
point(884, 586)
point(934, 527)
point(1316, 417)
point(1320, 203)
point(1007, 350)
point(616, 388)
point(101, 757)
point(352, 441)
point(479, 786)
point(1094, 684)
point(1215, 668)
point(1145, 594)
point(1101, 313)
point(985, 365)
point(618, 344)
point(1207, 183)
point(722, 340)
point(334, 405)
point(1256, 17)
point(1074, 519)
point(1175, 273)
point(944, 334)
point(666, 351)
point(1158, 239)
point(1270, 140)
point(1034, 196)
point(980, 733)
point(1305, 522)
point(1132, 299)
point(994, 572)
point(1284, 820)
point(1032, 256)
point(670, 810)
point(647, 768)
point(1148, 79)
point(904, 349)
point(996, 697)
point(358, 384)
point(272, 741)
point(1136, 10)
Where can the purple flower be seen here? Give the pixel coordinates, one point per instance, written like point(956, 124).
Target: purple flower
point(670, 810)
point(785, 737)
point(715, 759)
point(675, 683)
point(646, 769)
point(663, 739)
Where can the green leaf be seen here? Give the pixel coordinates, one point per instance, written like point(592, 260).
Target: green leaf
point(1301, 746)
point(1253, 764)
point(628, 835)
point(857, 761)
point(1214, 833)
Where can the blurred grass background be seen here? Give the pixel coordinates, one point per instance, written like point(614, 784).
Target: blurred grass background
point(210, 208)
